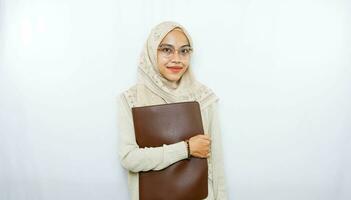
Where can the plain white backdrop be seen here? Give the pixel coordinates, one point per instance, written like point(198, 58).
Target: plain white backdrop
point(282, 69)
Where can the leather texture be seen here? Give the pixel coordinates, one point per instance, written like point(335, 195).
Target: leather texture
point(157, 125)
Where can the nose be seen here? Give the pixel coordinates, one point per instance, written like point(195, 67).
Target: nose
point(176, 56)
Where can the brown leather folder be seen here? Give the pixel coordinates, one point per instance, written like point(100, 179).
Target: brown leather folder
point(157, 125)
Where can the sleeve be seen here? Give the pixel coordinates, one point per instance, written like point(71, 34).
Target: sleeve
point(219, 182)
point(137, 159)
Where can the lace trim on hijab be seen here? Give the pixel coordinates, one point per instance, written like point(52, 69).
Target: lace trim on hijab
point(205, 97)
point(130, 97)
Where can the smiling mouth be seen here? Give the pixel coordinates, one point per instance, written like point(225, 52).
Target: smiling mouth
point(175, 69)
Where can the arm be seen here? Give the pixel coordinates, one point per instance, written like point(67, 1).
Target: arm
point(219, 183)
point(137, 159)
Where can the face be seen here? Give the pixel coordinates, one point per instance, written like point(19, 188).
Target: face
point(173, 55)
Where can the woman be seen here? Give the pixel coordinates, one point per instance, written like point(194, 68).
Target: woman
point(164, 76)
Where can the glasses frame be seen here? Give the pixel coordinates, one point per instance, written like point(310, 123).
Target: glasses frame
point(162, 46)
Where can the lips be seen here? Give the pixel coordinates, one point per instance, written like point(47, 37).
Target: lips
point(175, 69)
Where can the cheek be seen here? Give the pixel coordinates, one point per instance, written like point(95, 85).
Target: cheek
point(162, 63)
point(186, 63)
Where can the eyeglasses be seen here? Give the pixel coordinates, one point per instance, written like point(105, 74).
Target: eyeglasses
point(168, 51)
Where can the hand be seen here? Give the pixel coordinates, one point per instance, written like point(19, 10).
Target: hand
point(200, 146)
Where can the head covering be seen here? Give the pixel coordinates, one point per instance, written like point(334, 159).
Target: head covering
point(149, 77)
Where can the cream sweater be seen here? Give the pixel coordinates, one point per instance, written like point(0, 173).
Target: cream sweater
point(136, 159)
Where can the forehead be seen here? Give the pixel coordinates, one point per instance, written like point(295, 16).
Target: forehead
point(176, 37)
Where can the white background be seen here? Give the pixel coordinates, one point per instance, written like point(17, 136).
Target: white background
point(281, 68)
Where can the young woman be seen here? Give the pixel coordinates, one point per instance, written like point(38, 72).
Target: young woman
point(164, 76)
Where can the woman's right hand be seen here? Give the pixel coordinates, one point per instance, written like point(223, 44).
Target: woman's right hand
point(200, 146)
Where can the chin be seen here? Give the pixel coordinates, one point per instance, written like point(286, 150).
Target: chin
point(173, 78)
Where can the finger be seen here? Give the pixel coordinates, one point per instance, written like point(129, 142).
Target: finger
point(204, 137)
point(206, 142)
point(205, 155)
point(207, 138)
point(202, 155)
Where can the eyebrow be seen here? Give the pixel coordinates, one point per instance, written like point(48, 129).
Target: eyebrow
point(169, 45)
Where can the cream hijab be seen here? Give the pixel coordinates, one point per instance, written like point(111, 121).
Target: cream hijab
point(149, 77)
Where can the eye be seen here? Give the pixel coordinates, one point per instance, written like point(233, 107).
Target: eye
point(185, 50)
point(166, 50)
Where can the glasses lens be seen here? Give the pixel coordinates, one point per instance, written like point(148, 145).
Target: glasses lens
point(185, 51)
point(168, 51)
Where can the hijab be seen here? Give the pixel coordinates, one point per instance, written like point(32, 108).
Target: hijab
point(152, 88)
